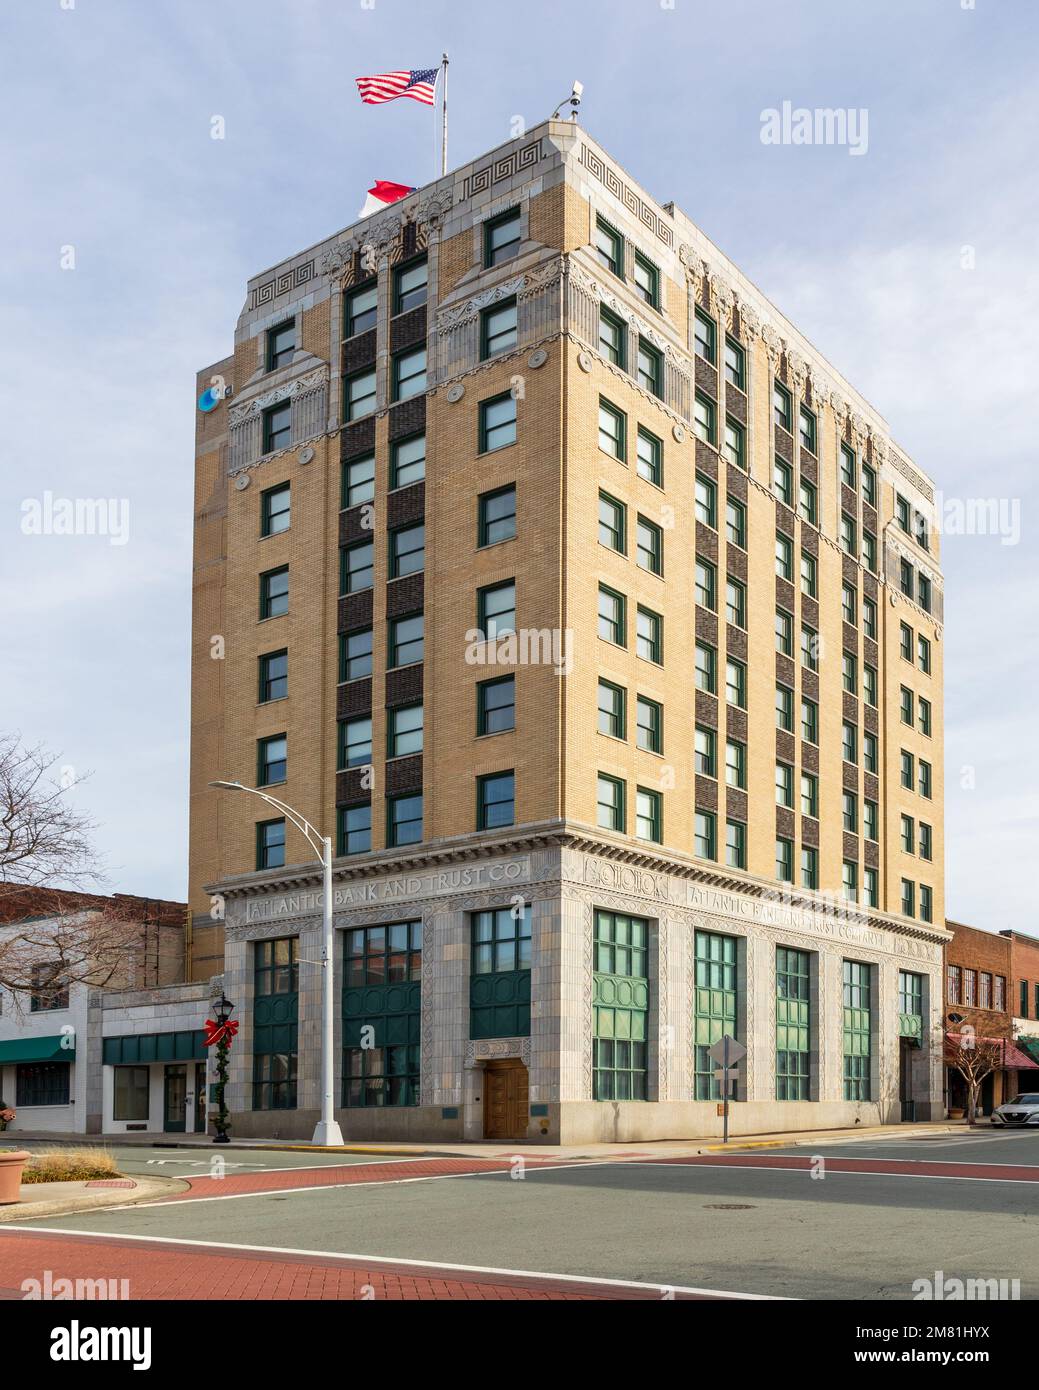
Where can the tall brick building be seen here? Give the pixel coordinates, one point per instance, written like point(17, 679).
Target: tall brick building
point(539, 555)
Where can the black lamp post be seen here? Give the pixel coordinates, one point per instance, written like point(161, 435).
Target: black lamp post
point(222, 1009)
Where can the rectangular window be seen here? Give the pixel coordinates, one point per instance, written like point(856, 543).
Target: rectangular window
point(496, 512)
point(357, 482)
point(706, 659)
point(850, 812)
point(926, 903)
point(793, 1025)
point(648, 819)
point(501, 944)
point(612, 338)
point(270, 844)
point(495, 800)
point(130, 1093)
point(985, 990)
point(355, 654)
point(809, 867)
point(609, 247)
point(908, 837)
point(784, 556)
point(620, 1012)
point(650, 722)
point(611, 803)
point(497, 423)
point(496, 705)
point(650, 369)
point(42, 1083)
point(409, 374)
point(275, 510)
point(706, 501)
point(808, 574)
point(809, 794)
point(848, 534)
point(905, 642)
point(612, 720)
point(407, 551)
point(902, 513)
point(736, 683)
point(857, 1030)
point(784, 784)
point(923, 654)
point(924, 770)
point(499, 329)
point(612, 430)
point(783, 481)
point(784, 708)
point(869, 551)
point(735, 764)
point(650, 457)
point(281, 345)
point(784, 860)
point(849, 742)
point(649, 546)
point(735, 365)
point(355, 742)
point(408, 461)
point(649, 635)
point(869, 485)
point(905, 705)
point(909, 900)
point(407, 641)
point(612, 617)
point(871, 820)
point(277, 427)
point(404, 820)
point(908, 766)
point(647, 280)
point(274, 676)
point(999, 995)
point(704, 844)
point(808, 501)
point(953, 979)
point(704, 412)
point(870, 686)
point(782, 409)
point(735, 602)
point(924, 842)
point(272, 760)
point(356, 567)
point(847, 466)
point(806, 429)
point(704, 744)
point(924, 716)
point(784, 632)
point(849, 672)
point(359, 394)
point(714, 1003)
point(734, 445)
point(849, 603)
point(705, 584)
point(809, 721)
point(49, 990)
point(354, 830)
point(501, 238)
point(704, 336)
point(410, 285)
point(382, 971)
point(496, 609)
point(736, 523)
point(735, 844)
point(404, 731)
point(362, 309)
point(869, 618)
point(870, 888)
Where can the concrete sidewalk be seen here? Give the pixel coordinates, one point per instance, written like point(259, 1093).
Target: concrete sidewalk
point(660, 1148)
point(38, 1199)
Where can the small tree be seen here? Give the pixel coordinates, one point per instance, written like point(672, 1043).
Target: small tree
point(974, 1058)
point(51, 938)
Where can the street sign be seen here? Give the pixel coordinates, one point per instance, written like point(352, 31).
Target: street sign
point(735, 1052)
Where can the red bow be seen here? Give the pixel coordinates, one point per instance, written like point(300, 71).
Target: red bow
point(216, 1032)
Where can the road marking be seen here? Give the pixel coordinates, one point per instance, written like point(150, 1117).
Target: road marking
point(412, 1264)
point(291, 1168)
point(830, 1172)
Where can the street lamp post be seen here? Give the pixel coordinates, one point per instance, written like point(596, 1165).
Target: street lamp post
point(222, 1010)
point(327, 1130)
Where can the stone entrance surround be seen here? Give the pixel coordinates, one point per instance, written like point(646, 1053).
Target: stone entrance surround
point(565, 878)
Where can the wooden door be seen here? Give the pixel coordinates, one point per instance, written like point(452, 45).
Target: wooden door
point(505, 1108)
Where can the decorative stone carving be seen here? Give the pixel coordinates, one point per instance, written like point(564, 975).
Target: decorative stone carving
point(312, 381)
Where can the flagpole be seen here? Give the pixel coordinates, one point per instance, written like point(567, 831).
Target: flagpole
point(443, 101)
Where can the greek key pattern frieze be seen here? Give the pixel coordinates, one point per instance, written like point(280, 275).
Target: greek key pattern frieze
point(613, 183)
point(506, 166)
point(284, 282)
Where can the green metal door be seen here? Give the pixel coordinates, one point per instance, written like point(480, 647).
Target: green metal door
point(175, 1096)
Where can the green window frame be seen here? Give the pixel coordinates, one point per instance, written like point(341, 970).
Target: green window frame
point(809, 866)
point(783, 481)
point(495, 800)
point(649, 368)
point(810, 794)
point(705, 758)
point(404, 820)
point(496, 610)
point(612, 616)
point(409, 373)
point(277, 427)
point(275, 509)
point(793, 1024)
point(735, 764)
point(355, 742)
point(735, 844)
point(496, 706)
point(610, 802)
point(735, 365)
point(612, 718)
point(270, 843)
point(612, 338)
point(705, 505)
point(809, 720)
point(784, 708)
point(649, 635)
point(382, 990)
point(274, 676)
point(910, 1005)
point(497, 423)
point(499, 976)
point(858, 994)
point(649, 457)
point(613, 523)
point(502, 236)
point(782, 407)
point(408, 461)
point(705, 833)
point(715, 1003)
point(620, 1007)
point(404, 730)
point(848, 463)
point(736, 683)
point(357, 482)
point(354, 828)
point(499, 328)
point(410, 285)
point(496, 516)
point(808, 501)
point(734, 443)
point(649, 815)
point(407, 551)
point(736, 523)
point(407, 644)
point(705, 336)
point(806, 429)
point(784, 556)
point(646, 280)
point(613, 430)
point(784, 632)
point(784, 859)
point(356, 654)
point(272, 760)
point(359, 394)
point(361, 309)
point(706, 668)
point(609, 248)
point(356, 567)
point(705, 412)
point(281, 346)
point(649, 546)
point(705, 585)
point(809, 571)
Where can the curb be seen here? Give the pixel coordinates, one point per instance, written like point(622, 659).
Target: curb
point(147, 1190)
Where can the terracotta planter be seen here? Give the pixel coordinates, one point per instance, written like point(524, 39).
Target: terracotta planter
point(12, 1161)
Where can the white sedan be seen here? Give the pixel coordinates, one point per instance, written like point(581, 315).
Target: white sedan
point(1022, 1110)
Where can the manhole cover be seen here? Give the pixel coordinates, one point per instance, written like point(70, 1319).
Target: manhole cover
point(729, 1206)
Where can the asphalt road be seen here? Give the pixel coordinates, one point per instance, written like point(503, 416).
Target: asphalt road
point(729, 1225)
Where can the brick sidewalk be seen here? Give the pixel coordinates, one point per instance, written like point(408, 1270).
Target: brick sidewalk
point(157, 1270)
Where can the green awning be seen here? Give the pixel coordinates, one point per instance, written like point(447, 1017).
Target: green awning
point(154, 1047)
point(59, 1048)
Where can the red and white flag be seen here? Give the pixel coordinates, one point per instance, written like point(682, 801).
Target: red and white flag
point(381, 193)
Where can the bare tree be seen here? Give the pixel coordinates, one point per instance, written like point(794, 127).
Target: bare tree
point(51, 938)
point(974, 1058)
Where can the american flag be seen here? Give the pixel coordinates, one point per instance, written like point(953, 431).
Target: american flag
point(418, 83)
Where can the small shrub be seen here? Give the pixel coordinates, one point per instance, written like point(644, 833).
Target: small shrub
point(70, 1165)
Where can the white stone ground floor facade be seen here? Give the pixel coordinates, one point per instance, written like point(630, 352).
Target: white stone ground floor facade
point(559, 989)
